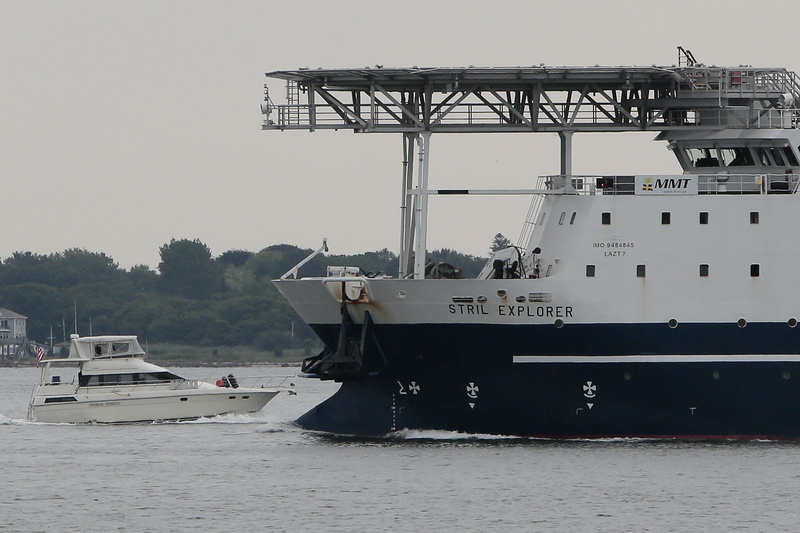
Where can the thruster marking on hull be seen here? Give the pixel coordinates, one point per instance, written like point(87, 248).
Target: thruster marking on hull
point(730, 358)
point(589, 390)
point(472, 390)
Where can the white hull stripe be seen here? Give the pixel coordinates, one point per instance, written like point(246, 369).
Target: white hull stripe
point(737, 358)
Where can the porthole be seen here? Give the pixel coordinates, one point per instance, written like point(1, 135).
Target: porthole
point(715, 374)
point(184, 399)
point(672, 323)
point(741, 322)
point(481, 299)
point(400, 295)
point(521, 299)
point(792, 322)
point(787, 374)
point(501, 293)
point(558, 323)
point(626, 375)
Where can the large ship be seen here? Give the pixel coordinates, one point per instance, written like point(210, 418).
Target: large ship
point(637, 305)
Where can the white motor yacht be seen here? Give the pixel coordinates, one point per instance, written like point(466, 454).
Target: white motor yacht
point(115, 383)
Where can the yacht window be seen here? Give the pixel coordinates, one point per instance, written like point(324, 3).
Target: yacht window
point(755, 270)
point(754, 217)
point(702, 157)
point(790, 157)
point(606, 218)
point(640, 271)
point(763, 157)
point(703, 271)
point(120, 347)
point(704, 217)
point(589, 271)
point(109, 379)
point(736, 157)
point(572, 219)
point(100, 349)
point(561, 218)
point(128, 379)
point(665, 218)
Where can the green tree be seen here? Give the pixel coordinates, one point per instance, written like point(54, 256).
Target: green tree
point(187, 269)
point(499, 242)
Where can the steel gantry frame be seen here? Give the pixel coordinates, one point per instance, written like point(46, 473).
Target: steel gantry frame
point(564, 100)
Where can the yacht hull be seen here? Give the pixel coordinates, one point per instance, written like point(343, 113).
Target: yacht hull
point(115, 407)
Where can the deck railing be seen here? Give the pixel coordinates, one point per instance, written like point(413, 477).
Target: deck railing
point(706, 184)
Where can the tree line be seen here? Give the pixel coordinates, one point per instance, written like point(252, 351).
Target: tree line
point(191, 298)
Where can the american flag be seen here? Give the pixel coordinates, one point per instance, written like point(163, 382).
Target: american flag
point(40, 353)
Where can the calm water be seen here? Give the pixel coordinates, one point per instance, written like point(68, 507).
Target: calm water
point(260, 473)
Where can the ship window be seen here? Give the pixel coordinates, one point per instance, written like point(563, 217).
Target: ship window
point(640, 271)
point(704, 217)
point(776, 156)
point(755, 270)
point(763, 158)
point(703, 271)
point(665, 218)
point(606, 217)
point(589, 271)
point(754, 217)
point(790, 157)
point(736, 157)
point(561, 218)
point(702, 157)
point(572, 219)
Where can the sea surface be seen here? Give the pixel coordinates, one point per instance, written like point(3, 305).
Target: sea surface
point(262, 473)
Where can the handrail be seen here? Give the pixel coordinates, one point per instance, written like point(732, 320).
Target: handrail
point(711, 183)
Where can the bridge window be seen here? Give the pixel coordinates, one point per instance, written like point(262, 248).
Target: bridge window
point(754, 217)
point(589, 271)
point(704, 217)
point(703, 157)
point(606, 218)
point(763, 157)
point(665, 217)
point(736, 157)
point(640, 271)
point(703, 271)
point(790, 157)
point(776, 156)
point(755, 270)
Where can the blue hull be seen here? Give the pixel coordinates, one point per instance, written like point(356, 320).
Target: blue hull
point(494, 380)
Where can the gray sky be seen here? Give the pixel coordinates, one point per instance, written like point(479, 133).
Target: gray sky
point(126, 124)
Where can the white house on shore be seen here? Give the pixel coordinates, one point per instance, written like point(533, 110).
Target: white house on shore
point(13, 333)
